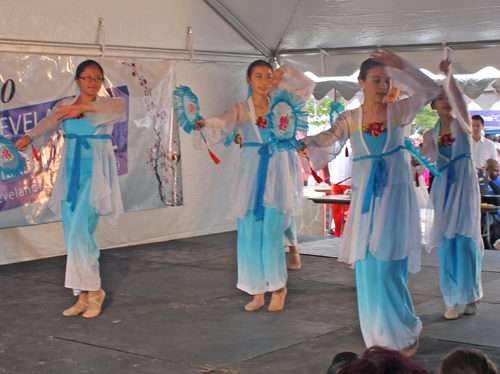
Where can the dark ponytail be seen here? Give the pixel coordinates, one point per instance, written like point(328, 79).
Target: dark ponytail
point(366, 66)
point(258, 63)
point(86, 64)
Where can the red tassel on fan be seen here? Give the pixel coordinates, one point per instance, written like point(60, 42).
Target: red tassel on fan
point(315, 176)
point(214, 157)
point(346, 152)
point(35, 154)
point(416, 179)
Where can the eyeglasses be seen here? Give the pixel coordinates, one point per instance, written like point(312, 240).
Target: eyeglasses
point(90, 79)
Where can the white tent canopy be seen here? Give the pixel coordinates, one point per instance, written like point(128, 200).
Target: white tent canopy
point(295, 31)
point(346, 30)
point(328, 38)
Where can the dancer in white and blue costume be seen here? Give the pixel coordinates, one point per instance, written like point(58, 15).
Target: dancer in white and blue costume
point(382, 237)
point(87, 181)
point(290, 233)
point(262, 205)
point(453, 223)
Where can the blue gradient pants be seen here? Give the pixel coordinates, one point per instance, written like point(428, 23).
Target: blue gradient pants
point(460, 271)
point(385, 307)
point(82, 265)
point(290, 234)
point(261, 258)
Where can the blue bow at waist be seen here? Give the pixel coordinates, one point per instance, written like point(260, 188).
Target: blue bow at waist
point(378, 176)
point(452, 175)
point(74, 183)
point(265, 153)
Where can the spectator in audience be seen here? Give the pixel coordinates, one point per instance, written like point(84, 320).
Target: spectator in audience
point(493, 169)
point(467, 361)
point(379, 360)
point(482, 148)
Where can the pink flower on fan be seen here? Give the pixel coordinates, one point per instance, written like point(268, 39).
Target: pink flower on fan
point(191, 108)
point(284, 122)
point(6, 154)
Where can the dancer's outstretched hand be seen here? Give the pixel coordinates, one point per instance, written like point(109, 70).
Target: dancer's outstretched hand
point(445, 66)
point(70, 111)
point(277, 77)
point(302, 151)
point(388, 58)
point(23, 143)
point(200, 123)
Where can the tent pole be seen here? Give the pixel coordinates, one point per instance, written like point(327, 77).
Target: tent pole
point(243, 31)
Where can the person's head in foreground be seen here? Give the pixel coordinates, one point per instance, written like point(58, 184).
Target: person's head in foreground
point(467, 361)
point(340, 360)
point(379, 360)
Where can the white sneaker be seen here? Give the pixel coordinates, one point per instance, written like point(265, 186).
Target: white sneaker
point(451, 312)
point(471, 308)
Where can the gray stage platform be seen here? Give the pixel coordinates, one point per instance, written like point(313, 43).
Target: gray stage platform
point(173, 308)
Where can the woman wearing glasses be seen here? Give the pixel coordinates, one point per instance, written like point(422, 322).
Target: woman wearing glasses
point(87, 181)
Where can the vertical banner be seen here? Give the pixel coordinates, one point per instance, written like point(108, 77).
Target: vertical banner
point(146, 145)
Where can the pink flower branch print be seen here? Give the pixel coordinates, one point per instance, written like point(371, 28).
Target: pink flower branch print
point(163, 161)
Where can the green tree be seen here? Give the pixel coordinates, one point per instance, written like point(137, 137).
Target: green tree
point(319, 114)
point(426, 118)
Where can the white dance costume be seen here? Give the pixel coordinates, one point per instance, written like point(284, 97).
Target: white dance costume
point(382, 237)
point(88, 155)
point(453, 220)
point(261, 259)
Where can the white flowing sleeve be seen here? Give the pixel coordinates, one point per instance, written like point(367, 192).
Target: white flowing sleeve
point(457, 103)
point(46, 127)
point(295, 81)
point(108, 111)
point(424, 90)
point(325, 146)
point(217, 129)
point(429, 150)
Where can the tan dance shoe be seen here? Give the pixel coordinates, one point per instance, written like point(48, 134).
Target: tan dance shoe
point(471, 308)
point(81, 306)
point(95, 304)
point(410, 350)
point(278, 300)
point(294, 262)
point(257, 303)
point(451, 312)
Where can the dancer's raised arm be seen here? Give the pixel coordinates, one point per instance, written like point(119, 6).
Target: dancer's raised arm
point(455, 97)
point(409, 78)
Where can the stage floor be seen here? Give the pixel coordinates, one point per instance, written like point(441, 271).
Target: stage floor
point(173, 308)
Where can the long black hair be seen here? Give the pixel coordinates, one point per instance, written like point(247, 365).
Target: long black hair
point(85, 64)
